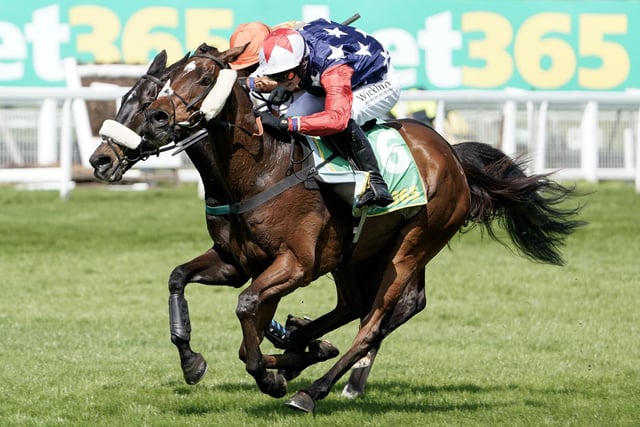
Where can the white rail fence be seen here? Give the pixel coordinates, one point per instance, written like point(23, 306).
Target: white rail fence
point(578, 135)
point(43, 129)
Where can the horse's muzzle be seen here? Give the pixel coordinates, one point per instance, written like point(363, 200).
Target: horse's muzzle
point(156, 130)
point(157, 118)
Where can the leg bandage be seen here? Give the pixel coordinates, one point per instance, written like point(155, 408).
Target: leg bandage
point(179, 322)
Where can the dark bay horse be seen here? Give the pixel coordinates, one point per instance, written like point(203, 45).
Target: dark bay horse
point(216, 266)
point(298, 235)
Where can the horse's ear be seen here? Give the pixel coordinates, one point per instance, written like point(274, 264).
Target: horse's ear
point(203, 48)
point(159, 63)
point(231, 54)
point(185, 58)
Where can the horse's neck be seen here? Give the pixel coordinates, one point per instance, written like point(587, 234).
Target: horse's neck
point(202, 159)
point(248, 164)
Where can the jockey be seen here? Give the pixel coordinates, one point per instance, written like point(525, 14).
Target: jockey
point(253, 34)
point(347, 80)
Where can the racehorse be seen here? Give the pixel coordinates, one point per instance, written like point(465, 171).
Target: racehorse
point(215, 266)
point(297, 235)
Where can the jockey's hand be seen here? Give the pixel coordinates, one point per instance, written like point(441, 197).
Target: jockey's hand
point(265, 84)
point(280, 95)
point(259, 84)
point(268, 119)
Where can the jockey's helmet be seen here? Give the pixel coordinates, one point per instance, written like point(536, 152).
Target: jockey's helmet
point(282, 50)
point(252, 33)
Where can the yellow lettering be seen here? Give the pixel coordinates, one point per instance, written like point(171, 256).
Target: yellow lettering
point(139, 39)
point(492, 49)
point(615, 59)
point(105, 26)
point(201, 22)
point(533, 45)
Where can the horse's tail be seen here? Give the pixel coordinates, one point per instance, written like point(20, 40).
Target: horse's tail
point(526, 206)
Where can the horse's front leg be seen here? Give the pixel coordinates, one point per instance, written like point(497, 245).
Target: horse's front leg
point(256, 306)
point(210, 269)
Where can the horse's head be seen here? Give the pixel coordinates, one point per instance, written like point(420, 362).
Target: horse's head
point(113, 157)
point(196, 92)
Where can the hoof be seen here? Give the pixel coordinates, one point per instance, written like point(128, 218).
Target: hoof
point(350, 392)
point(194, 369)
point(294, 322)
point(301, 401)
point(323, 350)
point(276, 385)
point(289, 375)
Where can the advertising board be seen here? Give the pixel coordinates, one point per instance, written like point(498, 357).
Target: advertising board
point(493, 44)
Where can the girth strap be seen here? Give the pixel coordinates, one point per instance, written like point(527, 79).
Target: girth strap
point(253, 202)
point(260, 198)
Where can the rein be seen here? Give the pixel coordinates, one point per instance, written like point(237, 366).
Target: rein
point(142, 153)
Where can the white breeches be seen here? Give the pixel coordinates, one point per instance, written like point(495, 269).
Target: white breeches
point(369, 102)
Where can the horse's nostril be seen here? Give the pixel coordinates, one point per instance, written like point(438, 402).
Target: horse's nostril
point(159, 118)
point(99, 160)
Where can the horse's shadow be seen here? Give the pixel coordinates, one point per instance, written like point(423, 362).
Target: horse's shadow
point(399, 396)
point(384, 397)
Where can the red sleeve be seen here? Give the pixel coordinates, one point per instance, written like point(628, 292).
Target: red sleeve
point(336, 82)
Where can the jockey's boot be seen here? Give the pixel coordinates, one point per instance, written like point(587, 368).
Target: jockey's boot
point(378, 192)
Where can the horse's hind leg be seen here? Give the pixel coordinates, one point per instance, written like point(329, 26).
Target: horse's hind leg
point(355, 297)
point(208, 268)
point(412, 302)
point(359, 375)
point(419, 245)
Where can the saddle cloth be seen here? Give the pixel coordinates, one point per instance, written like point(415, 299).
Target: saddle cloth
point(396, 166)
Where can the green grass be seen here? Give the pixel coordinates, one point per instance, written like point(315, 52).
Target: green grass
point(503, 341)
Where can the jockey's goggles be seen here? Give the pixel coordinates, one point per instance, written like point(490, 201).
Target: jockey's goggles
point(283, 76)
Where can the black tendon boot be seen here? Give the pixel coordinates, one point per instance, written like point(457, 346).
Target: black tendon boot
point(377, 193)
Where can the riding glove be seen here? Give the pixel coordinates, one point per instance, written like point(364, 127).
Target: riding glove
point(280, 95)
point(268, 119)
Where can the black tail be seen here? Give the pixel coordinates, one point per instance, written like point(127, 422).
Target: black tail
point(526, 206)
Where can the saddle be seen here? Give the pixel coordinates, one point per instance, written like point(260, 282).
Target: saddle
point(323, 168)
point(335, 171)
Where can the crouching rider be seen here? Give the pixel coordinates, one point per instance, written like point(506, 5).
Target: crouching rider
point(346, 78)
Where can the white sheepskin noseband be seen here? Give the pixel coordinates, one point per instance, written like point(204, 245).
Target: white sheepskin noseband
point(120, 134)
point(215, 100)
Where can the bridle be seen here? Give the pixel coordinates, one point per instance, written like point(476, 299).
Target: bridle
point(196, 117)
point(127, 157)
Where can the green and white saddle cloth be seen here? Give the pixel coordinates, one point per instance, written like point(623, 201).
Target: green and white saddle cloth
point(396, 165)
